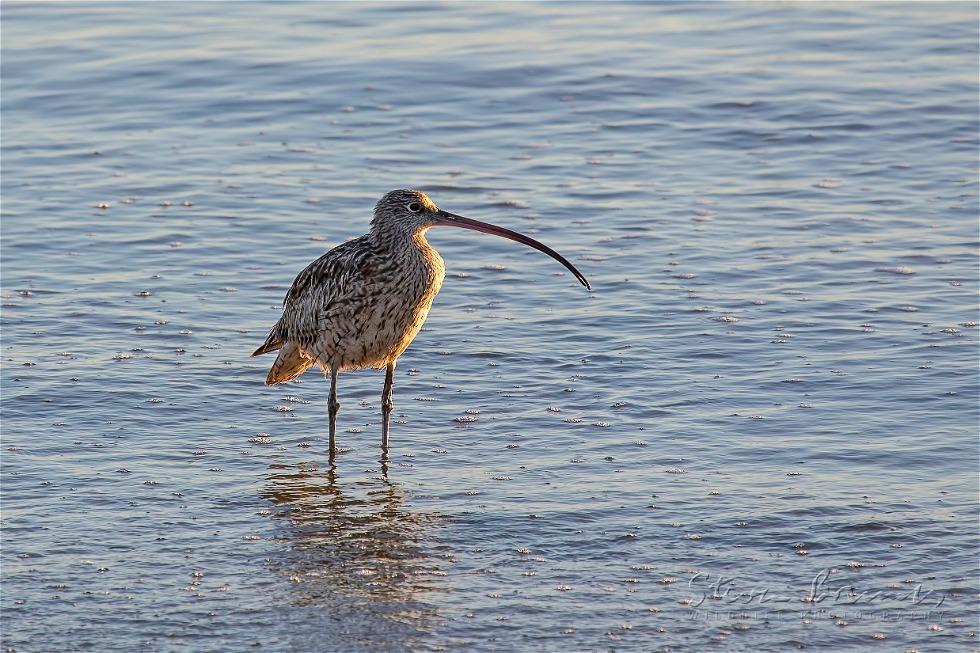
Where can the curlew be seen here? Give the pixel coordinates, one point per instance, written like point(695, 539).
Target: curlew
point(362, 303)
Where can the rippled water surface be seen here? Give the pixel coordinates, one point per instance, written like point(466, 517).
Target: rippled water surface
point(758, 432)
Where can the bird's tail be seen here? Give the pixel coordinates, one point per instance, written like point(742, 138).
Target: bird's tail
point(292, 362)
point(272, 342)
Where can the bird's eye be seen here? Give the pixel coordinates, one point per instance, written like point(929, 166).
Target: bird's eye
point(415, 207)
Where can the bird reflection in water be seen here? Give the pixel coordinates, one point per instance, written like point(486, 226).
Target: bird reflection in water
point(354, 549)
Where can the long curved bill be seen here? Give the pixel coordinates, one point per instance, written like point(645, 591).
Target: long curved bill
point(452, 220)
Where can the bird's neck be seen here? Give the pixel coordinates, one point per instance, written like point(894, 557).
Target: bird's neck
point(419, 241)
point(395, 241)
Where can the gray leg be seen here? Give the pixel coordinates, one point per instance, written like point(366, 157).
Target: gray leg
point(386, 406)
point(333, 407)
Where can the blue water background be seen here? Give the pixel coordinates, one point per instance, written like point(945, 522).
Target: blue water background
point(758, 432)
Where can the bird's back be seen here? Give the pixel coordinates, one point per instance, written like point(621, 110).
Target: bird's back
point(359, 305)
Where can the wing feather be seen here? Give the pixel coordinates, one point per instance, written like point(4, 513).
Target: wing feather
point(325, 304)
point(325, 296)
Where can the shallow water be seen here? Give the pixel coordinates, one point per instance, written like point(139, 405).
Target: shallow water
point(759, 432)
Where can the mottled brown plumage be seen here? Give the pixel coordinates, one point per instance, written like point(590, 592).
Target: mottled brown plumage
point(362, 303)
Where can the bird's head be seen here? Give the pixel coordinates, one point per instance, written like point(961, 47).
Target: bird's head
point(405, 213)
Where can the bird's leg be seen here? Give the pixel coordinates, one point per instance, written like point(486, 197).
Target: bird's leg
point(333, 407)
point(386, 406)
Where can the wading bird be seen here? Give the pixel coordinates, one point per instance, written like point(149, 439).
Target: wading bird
point(362, 303)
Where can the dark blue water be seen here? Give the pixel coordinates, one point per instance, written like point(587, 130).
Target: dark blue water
point(758, 432)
